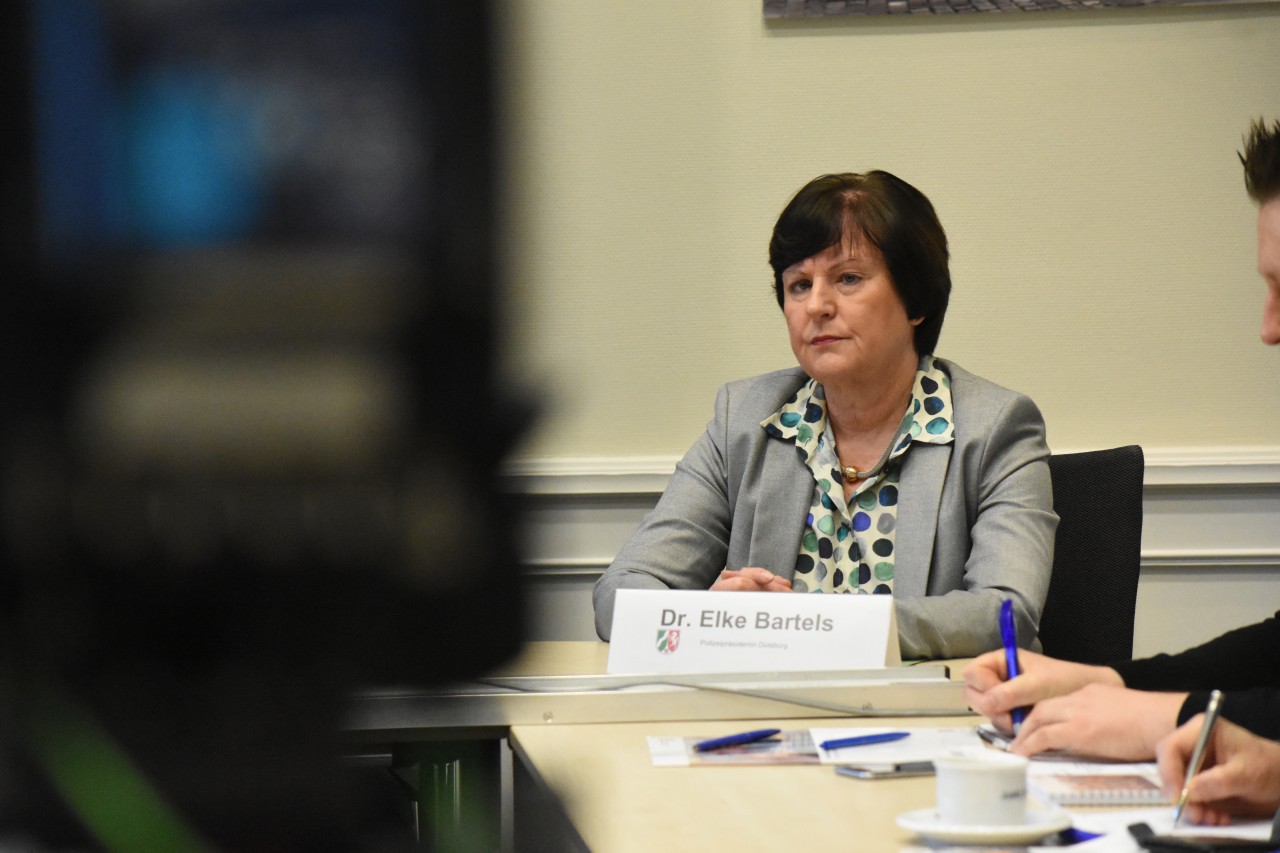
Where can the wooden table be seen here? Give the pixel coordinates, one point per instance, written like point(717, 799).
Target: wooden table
point(616, 801)
point(580, 741)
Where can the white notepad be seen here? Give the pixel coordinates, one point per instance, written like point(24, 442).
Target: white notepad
point(1089, 784)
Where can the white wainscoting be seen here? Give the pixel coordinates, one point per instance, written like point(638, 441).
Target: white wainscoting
point(1210, 544)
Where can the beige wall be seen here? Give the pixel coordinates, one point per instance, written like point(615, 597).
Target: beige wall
point(1083, 165)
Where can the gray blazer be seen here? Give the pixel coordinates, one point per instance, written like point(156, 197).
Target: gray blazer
point(975, 517)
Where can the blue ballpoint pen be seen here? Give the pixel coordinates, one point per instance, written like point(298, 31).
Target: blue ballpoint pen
point(863, 740)
point(735, 740)
point(1009, 634)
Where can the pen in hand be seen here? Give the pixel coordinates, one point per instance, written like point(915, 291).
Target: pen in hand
point(1009, 636)
point(1197, 754)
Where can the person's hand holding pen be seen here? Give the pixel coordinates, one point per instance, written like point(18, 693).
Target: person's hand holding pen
point(1009, 637)
point(1077, 707)
point(989, 690)
point(1240, 775)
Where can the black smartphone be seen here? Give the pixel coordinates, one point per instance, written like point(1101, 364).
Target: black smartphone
point(888, 770)
point(1148, 839)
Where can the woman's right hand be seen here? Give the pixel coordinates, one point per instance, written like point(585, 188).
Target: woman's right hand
point(988, 691)
point(751, 579)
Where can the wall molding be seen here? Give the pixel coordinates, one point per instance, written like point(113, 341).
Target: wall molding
point(576, 567)
point(1211, 537)
point(595, 475)
point(1207, 509)
point(1224, 466)
point(1222, 560)
point(636, 475)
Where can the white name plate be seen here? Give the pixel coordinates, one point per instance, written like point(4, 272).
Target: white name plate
point(689, 631)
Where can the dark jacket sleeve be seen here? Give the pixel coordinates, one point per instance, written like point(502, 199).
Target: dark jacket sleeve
point(1244, 664)
point(1257, 710)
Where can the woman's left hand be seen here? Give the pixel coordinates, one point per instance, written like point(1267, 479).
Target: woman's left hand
point(751, 579)
point(1101, 720)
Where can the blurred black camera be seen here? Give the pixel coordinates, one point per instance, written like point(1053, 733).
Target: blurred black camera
point(251, 430)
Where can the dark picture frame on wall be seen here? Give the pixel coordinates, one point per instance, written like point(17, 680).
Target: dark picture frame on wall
point(833, 8)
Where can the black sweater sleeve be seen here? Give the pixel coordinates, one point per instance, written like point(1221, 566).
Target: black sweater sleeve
point(1244, 664)
point(1257, 710)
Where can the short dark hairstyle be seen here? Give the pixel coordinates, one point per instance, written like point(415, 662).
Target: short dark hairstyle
point(1261, 159)
point(889, 213)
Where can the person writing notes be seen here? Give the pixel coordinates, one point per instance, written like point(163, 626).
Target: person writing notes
point(1240, 775)
point(1123, 710)
point(874, 466)
point(1120, 711)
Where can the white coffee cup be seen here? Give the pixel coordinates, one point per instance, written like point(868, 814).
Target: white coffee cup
point(981, 789)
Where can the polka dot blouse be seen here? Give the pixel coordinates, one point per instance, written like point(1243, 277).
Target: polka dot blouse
point(848, 547)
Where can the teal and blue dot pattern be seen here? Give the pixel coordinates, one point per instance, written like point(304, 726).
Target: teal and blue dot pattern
point(848, 546)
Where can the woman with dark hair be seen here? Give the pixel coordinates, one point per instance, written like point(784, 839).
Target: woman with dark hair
point(873, 467)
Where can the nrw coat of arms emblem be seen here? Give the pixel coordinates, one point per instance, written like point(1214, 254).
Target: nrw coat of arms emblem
point(668, 640)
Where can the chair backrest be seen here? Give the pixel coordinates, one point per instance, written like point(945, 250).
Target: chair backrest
point(1093, 592)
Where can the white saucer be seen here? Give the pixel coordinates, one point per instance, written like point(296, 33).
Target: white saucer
point(1039, 823)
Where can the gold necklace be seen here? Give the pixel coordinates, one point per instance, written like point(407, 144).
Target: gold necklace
point(851, 472)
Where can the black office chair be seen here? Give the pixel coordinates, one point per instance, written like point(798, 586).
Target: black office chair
point(1093, 592)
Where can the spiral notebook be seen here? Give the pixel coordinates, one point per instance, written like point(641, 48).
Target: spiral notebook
point(1088, 784)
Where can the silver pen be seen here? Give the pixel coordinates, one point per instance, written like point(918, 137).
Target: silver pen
point(1197, 754)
